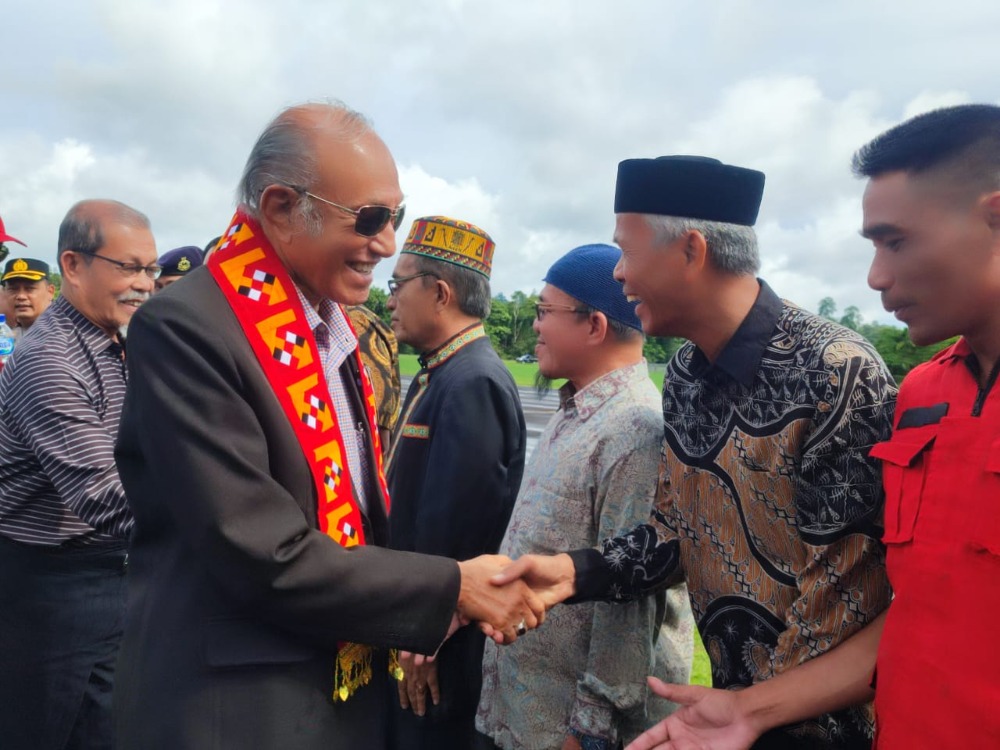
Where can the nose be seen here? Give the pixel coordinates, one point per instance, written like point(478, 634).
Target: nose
point(142, 283)
point(619, 272)
point(534, 325)
point(879, 275)
point(383, 244)
point(390, 301)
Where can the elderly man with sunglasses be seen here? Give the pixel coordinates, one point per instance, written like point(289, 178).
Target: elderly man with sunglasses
point(64, 519)
point(456, 465)
point(263, 606)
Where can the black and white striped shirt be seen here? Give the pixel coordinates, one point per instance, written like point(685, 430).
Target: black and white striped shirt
point(61, 396)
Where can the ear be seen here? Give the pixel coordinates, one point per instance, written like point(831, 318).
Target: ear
point(696, 250)
point(71, 265)
point(443, 294)
point(598, 328)
point(277, 211)
point(991, 206)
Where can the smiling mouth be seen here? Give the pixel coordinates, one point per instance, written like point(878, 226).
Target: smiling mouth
point(632, 298)
point(364, 269)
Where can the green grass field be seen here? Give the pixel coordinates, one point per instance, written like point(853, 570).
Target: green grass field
point(524, 375)
point(701, 669)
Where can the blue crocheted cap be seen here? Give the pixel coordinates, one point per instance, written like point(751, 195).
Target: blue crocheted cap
point(587, 274)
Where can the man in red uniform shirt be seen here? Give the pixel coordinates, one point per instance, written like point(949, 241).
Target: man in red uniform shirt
point(932, 211)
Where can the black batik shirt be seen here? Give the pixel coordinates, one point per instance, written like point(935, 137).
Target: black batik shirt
point(768, 502)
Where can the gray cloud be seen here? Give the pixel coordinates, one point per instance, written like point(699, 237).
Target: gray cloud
point(510, 115)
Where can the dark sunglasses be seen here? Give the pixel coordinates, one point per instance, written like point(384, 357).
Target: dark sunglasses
point(368, 220)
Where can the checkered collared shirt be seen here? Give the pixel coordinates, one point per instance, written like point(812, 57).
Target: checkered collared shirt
point(336, 342)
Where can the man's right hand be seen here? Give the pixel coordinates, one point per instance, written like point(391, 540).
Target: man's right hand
point(552, 577)
point(499, 609)
point(708, 719)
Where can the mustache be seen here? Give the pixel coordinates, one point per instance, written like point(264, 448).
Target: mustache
point(134, 297)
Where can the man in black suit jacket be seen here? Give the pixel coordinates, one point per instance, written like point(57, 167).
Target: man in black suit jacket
point(246, 597)
point(456, 465)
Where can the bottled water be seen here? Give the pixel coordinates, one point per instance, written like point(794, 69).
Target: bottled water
point(6, 340)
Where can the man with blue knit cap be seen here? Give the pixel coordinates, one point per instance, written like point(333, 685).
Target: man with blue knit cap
point(580, 680)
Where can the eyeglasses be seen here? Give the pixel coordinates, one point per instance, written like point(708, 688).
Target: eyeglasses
point(368, 220)
point(544, 308)
point(396, 282)
point(130, 269)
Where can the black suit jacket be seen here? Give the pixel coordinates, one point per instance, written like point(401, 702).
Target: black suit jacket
point(456, 468)
point(237, 602)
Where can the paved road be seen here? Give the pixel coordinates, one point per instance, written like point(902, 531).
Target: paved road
point(537, 410)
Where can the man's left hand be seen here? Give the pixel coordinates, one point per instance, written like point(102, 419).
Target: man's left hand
point(419, 678)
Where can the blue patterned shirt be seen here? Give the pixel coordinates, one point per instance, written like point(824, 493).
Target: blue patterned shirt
point(591, 476)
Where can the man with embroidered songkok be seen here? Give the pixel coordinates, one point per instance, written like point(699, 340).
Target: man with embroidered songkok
point(262, 609)
point(456, 465)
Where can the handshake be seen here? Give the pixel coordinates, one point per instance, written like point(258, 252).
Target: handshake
point(504, 598)
point(508, 598)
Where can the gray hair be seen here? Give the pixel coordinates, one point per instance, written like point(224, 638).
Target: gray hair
point(622, 333)
point(81, 230)
point(732, 248)
point(471, 288)
point(284, 154)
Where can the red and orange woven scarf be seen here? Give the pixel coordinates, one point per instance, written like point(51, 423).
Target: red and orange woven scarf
point(263, 298)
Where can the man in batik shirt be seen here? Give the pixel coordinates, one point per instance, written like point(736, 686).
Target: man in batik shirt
point(580, 681)
point(768, 500)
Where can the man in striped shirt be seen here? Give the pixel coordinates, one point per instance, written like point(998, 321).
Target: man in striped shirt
point(64, 520)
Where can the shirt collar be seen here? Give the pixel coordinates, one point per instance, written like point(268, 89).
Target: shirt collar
point(437, 357)
point(94, 338)
point(332, 317)
point(589, 399)
point(959, 350)
point(742, 354)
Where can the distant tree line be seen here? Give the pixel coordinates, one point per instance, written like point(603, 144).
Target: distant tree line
point(510, 327)
point(900, 354)
point(510, 330)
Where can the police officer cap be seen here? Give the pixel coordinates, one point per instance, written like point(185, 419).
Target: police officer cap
point(25, 268)
point(693, 187)
point(180, 261)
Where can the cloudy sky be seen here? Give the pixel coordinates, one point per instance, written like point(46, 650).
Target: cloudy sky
point(512, 115)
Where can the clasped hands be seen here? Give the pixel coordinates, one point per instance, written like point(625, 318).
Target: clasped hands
point(505, 599)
